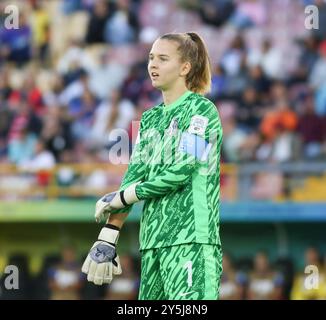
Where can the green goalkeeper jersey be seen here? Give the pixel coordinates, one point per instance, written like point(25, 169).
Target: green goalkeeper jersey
point(176, 156)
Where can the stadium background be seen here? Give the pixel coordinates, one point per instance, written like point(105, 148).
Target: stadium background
point(76, 69)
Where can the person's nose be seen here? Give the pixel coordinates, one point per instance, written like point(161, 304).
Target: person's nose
point(152, 65)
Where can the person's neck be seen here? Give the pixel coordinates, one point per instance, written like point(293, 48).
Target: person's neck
point(169, 96)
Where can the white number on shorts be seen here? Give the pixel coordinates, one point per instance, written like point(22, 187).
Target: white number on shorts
point(188, 266)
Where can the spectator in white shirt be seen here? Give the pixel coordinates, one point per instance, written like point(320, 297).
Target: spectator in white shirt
point(115, 113)
point(75, 54)
point(42, 159)
point(270, 58)
point(107, 76)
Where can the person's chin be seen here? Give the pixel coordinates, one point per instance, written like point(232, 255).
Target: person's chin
point(156, 84)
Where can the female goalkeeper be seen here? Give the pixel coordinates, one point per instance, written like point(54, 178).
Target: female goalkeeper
point(174, 168)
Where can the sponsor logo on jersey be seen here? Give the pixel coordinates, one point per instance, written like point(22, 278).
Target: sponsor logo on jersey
point(198, 125)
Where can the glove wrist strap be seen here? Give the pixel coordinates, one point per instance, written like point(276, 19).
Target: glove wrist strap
point(122, 198)
point(109, 233)
point(129, 195)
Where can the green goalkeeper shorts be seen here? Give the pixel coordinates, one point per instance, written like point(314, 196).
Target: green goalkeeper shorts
point(189, 271)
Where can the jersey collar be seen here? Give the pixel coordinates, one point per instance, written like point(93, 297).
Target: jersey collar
point(177, 102)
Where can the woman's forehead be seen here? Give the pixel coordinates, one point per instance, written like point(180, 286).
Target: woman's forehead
point(164, 47)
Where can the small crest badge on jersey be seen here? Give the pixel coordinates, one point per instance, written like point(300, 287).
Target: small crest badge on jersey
point(198, 125)
point(173, 128)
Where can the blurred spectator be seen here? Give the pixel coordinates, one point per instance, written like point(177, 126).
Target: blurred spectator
point(24, 116)
point(216, 12)
point(300, 291)
point(249, 13)
point(264, 283)
point(41, 29)
point(237, 82)
point(320, 101)
point(137, 86)
point(101, 79)
point(321, 31)
point(317, 81)
point(52, 94)
point(5, 87)
point(122, 26)
point(219, 83)
point(278, 129)
point(21, 148)
point(32, 94)
point(278, 117)
point(65, 279)
point(125, 286)
point(4, 128)
point(134, 82)
point(82, 110)
point(6, 114)
point(247, 149)
point(233, 283)
point(249, 113)
point(97, 22)
point(56, 132)
point(24, 128)
point(270, 58)
point(3, 17)
point(16, 43)
point(42, 159)
point(238, 144)
point(233, 58)
point(278, 92)
point(138, 89)
point(311, 130)
point(317, 76)
point(75, 89)
point(233, 140)
point(189, 4)
point(69, 7)
point(307, 59)
point(114, 113)
point(74, 58)
point(260, 82)
point(286, 145)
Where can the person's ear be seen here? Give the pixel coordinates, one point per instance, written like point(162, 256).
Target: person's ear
point(185, 68)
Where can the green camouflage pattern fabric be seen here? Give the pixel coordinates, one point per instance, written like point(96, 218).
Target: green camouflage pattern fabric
point(180, 190)
point(183, 272)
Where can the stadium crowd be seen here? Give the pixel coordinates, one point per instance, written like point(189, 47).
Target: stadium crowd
point(59, 103)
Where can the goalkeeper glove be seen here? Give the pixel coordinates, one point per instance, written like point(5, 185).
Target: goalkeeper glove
point(115, 200)
point(102, 262)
